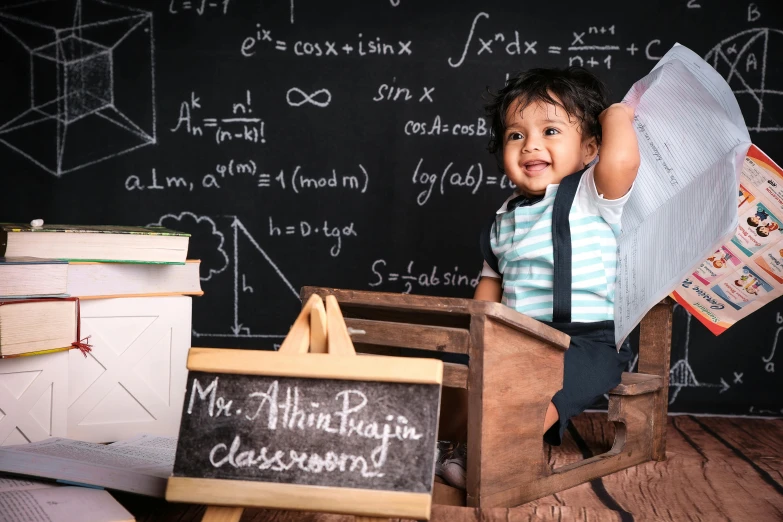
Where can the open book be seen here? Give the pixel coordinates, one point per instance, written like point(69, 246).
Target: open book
point(138, 465)
point(28, 501)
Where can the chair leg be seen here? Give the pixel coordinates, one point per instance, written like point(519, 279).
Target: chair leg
point(655, 341)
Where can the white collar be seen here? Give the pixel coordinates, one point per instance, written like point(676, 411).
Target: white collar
point(503, 208)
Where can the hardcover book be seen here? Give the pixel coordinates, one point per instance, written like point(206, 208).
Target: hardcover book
point(38, 325)
point(94, 243)
point(101, 280)
point(27, 276)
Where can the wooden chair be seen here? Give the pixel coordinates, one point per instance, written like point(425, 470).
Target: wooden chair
point(515, 366)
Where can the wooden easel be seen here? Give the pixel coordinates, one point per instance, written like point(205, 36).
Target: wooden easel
point(317, 329)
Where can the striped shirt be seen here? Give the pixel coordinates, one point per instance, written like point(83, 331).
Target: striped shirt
point(521, 240)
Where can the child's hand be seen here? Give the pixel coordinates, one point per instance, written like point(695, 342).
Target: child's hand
point(622, 108)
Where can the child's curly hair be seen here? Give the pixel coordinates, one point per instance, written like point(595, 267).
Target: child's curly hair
point(578, 91)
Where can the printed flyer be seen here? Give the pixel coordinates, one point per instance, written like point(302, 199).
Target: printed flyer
point(745, 273)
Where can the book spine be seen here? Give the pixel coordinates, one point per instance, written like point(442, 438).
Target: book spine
point(37, 352)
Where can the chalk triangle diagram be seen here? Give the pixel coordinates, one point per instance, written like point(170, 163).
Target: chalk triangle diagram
point(267, 299)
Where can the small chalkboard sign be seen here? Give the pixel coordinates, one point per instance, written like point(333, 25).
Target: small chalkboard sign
point(310, 431)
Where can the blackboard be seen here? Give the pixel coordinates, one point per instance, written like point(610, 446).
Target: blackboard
point(342, 144)
point(321, 432)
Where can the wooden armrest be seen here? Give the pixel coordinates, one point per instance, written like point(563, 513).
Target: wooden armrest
point(392, 301)
point(521, 322)
point(637, 384)
point(406, 335)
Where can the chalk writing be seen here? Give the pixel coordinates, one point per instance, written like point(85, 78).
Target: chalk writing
point(239, 125)
point(297, 180)
point(392, 92)
point(286, 407)
point(438, 128)
point(362, 46)
point(200, 7)
point(305, 229)
point(472, 180)
point(297, 97)
point(426, 279)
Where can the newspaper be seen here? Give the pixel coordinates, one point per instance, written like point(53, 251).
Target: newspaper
point(691, 137)
point(746, 272)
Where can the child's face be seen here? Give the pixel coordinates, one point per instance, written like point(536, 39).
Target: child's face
point(542, 145)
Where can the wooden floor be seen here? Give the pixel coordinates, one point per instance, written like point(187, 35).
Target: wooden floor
point(717, 469)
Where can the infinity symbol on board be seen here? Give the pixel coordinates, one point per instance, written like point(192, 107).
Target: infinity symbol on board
point(308, 98)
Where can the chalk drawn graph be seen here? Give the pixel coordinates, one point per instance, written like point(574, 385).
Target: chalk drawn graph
point(681, 374)
point(743, 60)
point(89, 66)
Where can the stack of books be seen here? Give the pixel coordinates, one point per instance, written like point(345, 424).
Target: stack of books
point(125, 292)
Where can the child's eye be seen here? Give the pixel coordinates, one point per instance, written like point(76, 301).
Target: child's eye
point(515, 136)
point(551, 131)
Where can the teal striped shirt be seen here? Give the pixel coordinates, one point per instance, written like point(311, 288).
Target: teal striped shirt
point(522, 241)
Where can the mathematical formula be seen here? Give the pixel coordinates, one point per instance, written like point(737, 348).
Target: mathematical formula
point(304, 229)
point(363, 45)
point(471, 179)
point(414, 278)
point(296, 179)
point(239, 125)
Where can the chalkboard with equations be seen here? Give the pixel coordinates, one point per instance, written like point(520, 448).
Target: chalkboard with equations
point(342, 144)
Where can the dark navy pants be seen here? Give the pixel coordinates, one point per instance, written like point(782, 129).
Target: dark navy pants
point(592, 367)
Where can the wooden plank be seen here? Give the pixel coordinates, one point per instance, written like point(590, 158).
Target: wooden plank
point(760, 441)
point(406, 335)
point(520, 374)
point(316, 365)
point(655, 343)
point(393, 301)
point(637, 384)
point(298, 338)
point(503, 314)
point(295, 496)
point(318, 338)
point(445, 495)
point(222, 514)
point(336, 332)
point(701, 479)
point(455, 375)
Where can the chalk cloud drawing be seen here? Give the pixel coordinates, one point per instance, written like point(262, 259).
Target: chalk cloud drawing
point(744, 60)
point(89, 68)
point(206, 241)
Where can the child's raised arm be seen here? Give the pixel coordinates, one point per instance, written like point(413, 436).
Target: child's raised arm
point(618, 159)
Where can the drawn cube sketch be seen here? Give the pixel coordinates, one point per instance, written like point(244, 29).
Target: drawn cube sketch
point(86, 69)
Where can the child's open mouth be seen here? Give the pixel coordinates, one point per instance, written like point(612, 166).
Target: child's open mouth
point(535, 166)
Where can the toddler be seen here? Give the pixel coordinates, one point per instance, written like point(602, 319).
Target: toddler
point(551, 249)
